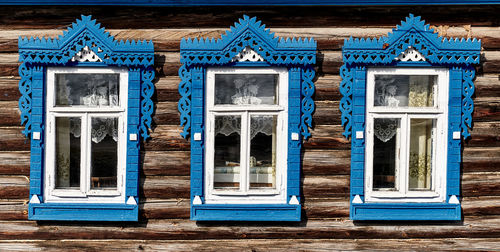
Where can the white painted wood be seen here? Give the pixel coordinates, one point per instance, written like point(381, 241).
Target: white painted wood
point(453, 200)
point(411, 54)
point(131, 201)
point(247, 54)
point(293, 200)
point(197, 136)
point(84, 194)
point(244, 195)
point(86, 55)
point(357, 200)
point(133, 137)
point(36, 135)
point(359, 135)
point(456, 135)
point(34, 199)
point(197, 200)
point(439, 112)
point(295, 136)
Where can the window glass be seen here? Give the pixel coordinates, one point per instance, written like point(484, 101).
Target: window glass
point(263, 151)
point(404, 90)
point(227, 152)
point(87, 89)
point(104, 152)
point(246, 89)
point(421, 153)
point(68, 133)
point(385, 153)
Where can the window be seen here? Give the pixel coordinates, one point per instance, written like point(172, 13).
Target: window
point(86, 104)
point(406, 105)
point(405, 149)
point(246, 103)
point(86, 142)
point(246, 135)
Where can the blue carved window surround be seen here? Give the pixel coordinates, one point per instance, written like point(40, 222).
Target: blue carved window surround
point(298, 57)
point(37, 55)
point(456, 55)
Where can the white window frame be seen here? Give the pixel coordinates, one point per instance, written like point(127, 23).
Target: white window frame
point(244, 195)
point(439, 113)
point(85, 194)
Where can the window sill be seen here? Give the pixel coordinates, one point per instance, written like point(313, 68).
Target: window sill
point(405, 211)
point(83, 212)
point(240, 212)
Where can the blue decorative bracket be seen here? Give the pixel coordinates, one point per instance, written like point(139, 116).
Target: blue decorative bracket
point(459, 56)
point(36, 54)
point(298, 56)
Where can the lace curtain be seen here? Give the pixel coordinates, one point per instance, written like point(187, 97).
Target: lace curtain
point(101, 127)
point(245, 89)
point(228, 125)
point(400, 91)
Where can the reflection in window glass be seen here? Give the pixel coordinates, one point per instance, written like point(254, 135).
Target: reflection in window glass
point(68, 132)
point(246, 89)
point(404, 90)
point(421, 152)
point(385, 141)
point(104, 152)
point(263, 151)
point(227, 152)
point(87, 89)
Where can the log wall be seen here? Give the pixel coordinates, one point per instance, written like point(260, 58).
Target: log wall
point(164, 187)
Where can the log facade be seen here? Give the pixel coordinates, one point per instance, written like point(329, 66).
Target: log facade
point(164, 186)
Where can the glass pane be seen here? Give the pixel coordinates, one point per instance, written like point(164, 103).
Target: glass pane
point(87, 89)
point(385, 153)
point(104, 156)
point(263, 151)
point(227, 152)
point(245, 89)
point(68, 132)
point(404, 90)
point(421, 151)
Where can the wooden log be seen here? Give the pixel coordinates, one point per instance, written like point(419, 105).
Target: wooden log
point(14, 17)
point(14, 163)
point(14, 187)
point(13, 140)
point(173, 229)
point(13, 209)
point(449, 244)
point(166, 163)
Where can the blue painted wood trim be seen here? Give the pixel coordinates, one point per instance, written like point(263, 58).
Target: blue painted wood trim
point(198, 118)
point(406, 211)
point(358, 124)
point(454, 124)
point(83, 212)
point(189, 3)
point(37, 125)
point(267, 212)
point(294, 146)
point(458, 55)
point(38, 53)
point(298, 56)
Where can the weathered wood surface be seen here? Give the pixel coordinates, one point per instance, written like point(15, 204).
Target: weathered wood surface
point(254, 245)
point(175, 187)
point(314, 208)
point(180, 229)
point(164, 193)
point(223, 16)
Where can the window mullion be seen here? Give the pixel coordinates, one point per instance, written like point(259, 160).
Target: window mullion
point(404, 154)
point(84, 170)
point(245, 140)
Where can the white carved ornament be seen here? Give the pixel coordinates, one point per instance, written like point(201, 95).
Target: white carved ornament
point(411, 54)
point(247, 54)
point(86, 55)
